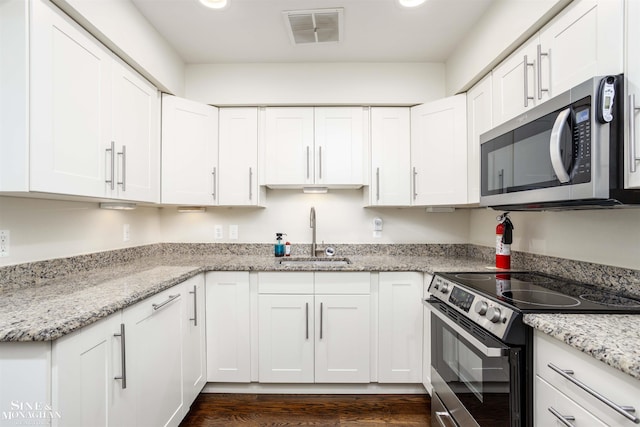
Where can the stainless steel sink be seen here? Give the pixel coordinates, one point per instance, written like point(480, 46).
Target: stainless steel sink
point(316, 262)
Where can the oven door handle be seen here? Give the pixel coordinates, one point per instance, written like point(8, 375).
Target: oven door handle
point(554, 146)
point(444, 415)
point(487, 351)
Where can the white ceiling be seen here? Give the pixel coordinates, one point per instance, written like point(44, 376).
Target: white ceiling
point(254, 30)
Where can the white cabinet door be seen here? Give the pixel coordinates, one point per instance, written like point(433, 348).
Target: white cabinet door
point(136, 134)
point(154, 359)
point(189, 152)
point(70, 107)
point(85, 364)
point(238, 156)
point(400, 327)
point(632, 100)
point(479, 120)
point(390, 156)
point(286, 338)
point(339, 146)
point(194, 355)
point(584, 40)
point(228, 327)
point(289, 146)
point(514, 83)
point(342, 328)
point(439, 152)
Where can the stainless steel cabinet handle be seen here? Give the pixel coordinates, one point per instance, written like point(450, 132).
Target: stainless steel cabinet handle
point(321, 321)
point(307, 319)
point(527, 64)
point(111, 154)
point(377, 183)
point(540, 55)
point(123, 356)
point(415, 190)
point(308, 162)
point(213, 176)
point(195, 306)
point(443, 415)
point(123, 153)
point(250, 186)
point(320, 162)
point(625, 411)
point(163, 303)
point(632, 133)
point(564, 419)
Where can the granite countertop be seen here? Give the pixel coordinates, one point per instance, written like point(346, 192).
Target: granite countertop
point(613, 339)
point(61, 305)
point(45, 301)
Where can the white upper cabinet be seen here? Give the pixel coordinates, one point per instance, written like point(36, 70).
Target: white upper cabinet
point(307, 146)
point(70, 103)
point(238, 156)
point(390, 156)
point(439, 152)
point(513, 83)
point(632, 89)
point(93, 121)
point(582, 41)
point(479, 120)
point(136, 136)
point(189, 152)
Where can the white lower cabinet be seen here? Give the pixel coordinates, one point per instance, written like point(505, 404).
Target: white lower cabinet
point(194, 348)
point(314, 327)
point(559, 396)
point(426, 338)
point(400, 313)
point(228, 327)
point(142, 366)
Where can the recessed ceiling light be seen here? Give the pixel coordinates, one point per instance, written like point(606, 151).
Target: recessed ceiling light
point(214, 4)
point(409, 3)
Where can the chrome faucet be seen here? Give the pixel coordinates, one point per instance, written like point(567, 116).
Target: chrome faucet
point(312, 224)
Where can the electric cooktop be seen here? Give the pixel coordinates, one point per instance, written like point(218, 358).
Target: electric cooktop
point(531, 292)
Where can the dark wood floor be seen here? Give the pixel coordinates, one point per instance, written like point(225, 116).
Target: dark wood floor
point(308, 410)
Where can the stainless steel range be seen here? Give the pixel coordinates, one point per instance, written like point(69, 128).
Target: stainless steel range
point(481, 362)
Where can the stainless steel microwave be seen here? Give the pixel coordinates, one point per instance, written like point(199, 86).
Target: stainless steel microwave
point(564, 154)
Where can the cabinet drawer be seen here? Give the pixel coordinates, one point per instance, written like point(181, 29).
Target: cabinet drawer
point(609, 382)
point(548, 399)
point(285, 283)
point(343, 283)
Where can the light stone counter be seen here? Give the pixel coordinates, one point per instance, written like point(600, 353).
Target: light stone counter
point(612, 339)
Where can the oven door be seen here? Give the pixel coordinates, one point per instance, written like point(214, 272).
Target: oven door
point(478, 379)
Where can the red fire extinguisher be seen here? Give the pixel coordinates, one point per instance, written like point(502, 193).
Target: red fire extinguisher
point(504, 238)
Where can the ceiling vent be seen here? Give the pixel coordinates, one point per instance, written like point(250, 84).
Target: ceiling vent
point(314, 26)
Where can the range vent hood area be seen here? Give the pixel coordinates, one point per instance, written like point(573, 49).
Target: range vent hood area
point(314, 26)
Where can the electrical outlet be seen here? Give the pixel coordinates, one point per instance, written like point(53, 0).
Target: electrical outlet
point(126, 233)
point(233, 232)
point(4, 243)
point(217, 230)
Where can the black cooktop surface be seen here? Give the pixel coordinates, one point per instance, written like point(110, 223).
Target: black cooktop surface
point(535, 292)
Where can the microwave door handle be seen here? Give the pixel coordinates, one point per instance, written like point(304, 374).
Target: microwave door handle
point(487, 351)
point(554, 146)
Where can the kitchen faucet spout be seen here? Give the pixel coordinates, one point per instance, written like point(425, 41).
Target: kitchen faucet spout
point(312, 224)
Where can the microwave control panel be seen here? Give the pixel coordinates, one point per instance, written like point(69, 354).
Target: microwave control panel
point(581, 145)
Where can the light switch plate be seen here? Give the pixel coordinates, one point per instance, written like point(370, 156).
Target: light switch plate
point(233, 232)
point(4, 243)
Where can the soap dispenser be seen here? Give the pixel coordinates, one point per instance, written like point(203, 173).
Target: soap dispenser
point(278, 248)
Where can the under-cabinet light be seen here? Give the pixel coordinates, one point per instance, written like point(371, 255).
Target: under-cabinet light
point(122, 206)
point(191, 209)
point(315, 190)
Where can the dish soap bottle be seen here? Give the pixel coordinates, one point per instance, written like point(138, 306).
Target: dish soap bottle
point(287, 249)
point(278, 248)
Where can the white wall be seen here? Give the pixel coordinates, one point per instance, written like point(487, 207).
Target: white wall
point(340, 216)
point(497, 33)
point(120, 26)
point(610, 237)
point(44, 229)
point(315, 83)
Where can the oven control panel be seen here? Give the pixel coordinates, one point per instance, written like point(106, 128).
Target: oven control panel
point(490, 315)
